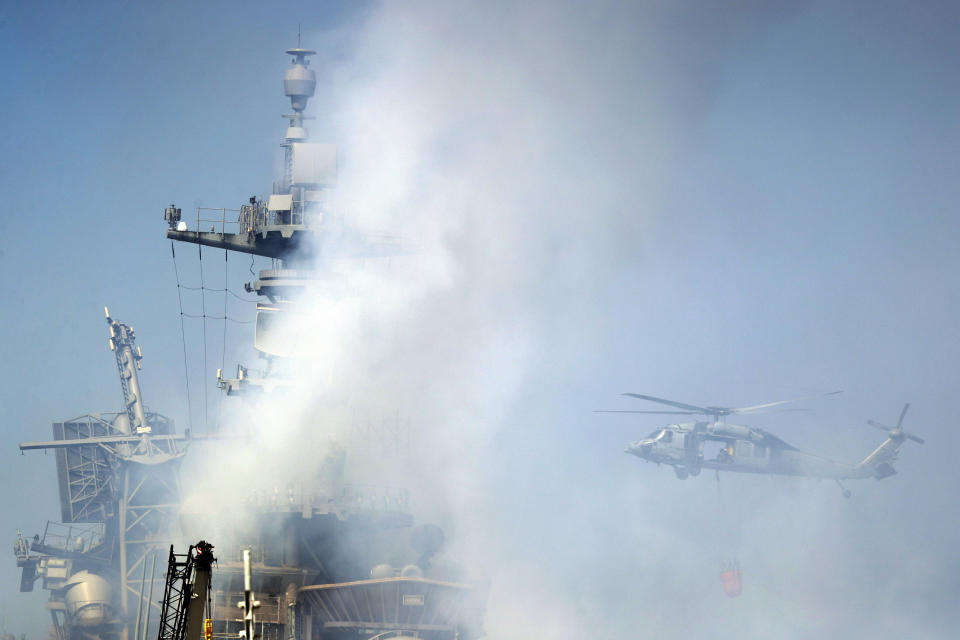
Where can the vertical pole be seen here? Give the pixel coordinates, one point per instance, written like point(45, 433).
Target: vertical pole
point(306, 625)
point(143, 583)
point(122, 533)
point(153, 570)
point(246, 569)
point(249, 604)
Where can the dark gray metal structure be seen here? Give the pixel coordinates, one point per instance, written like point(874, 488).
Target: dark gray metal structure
point(186, 593)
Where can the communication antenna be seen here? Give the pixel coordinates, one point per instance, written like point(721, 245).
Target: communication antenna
point(123, 343)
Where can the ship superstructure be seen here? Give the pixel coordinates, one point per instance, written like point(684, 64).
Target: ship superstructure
point(327, 560)
point(331, 561)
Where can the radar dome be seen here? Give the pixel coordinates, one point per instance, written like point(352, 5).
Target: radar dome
point(299, 82)
point(87, 598)
point(122, 423)
point(412, 571)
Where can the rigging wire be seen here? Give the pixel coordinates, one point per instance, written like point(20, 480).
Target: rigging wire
point(204, 316)
point(203, 307)
point(223, 353)
point(208, 317)
point(183, 338)
point(238, 297)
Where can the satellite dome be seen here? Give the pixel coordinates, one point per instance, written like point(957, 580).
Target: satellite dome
point(381, 571)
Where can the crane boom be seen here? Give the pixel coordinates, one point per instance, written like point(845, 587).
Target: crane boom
point(185, 594)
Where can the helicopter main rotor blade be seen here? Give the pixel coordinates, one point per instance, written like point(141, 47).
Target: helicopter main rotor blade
point(679, 405)
point(903, 413)
point(915, 438)
point(673, 413)
point(774, 411)
point(753, 409)
point(873, 423)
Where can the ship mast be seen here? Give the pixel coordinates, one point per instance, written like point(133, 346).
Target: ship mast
point(123, 342)
point(288, 225)
point(119, 494)
point(318, 545)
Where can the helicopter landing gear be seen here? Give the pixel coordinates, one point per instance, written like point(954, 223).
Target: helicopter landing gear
point(681, 473)
point(846, 492)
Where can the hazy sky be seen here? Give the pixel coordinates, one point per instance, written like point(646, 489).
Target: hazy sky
point(722, 204)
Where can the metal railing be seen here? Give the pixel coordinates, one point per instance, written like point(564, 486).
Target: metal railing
point(250, 218)
point(233, 222)
point(76, 538)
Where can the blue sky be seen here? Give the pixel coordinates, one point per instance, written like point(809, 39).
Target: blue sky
point(725, 205)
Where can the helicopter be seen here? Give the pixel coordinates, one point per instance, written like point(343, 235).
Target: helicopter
point(722, 446)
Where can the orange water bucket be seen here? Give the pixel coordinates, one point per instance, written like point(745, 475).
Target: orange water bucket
point(732, 582)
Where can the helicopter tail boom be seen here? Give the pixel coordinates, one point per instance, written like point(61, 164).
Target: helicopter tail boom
point(879, 464)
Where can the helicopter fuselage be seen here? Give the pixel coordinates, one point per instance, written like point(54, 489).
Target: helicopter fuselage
point(722, 446)
point(716, 444)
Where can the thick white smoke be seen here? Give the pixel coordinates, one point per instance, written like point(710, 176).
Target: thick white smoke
point(514, 148)
point(517, 149)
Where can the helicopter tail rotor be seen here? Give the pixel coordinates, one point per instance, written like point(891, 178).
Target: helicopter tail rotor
point(879, 464)
point(897, 432)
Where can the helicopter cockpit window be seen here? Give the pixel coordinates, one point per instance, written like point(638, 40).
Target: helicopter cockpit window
point(666, 436)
